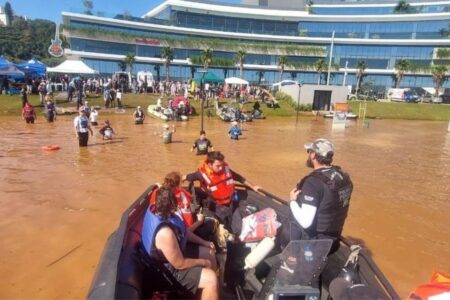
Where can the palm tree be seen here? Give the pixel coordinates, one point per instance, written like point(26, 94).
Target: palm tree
point(240, 56)
point(157, 68)
point(361, 67)
point(401, 67)
point(282, 62)
point(129, 61)
point(167, 55)
point(320, 65)
point(439, 73)
point(206, 58)
point(403, 7)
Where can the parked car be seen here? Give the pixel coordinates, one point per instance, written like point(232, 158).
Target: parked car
point(403, 95)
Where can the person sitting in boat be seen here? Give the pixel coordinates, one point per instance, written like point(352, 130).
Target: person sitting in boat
point(139, 116)
point(158, 104)
point(320, 201)
point(165, 238)
point(217, 187)
point(202, 144)
point(192, 221)
point(107, 131)
point(234, 132)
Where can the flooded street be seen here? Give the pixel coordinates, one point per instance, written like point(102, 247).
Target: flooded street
point(57, 209)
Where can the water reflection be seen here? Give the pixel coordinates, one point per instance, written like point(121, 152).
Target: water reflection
point(53, 202)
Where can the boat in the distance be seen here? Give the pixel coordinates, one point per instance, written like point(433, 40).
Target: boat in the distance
point(125, 271)
point(165, 114)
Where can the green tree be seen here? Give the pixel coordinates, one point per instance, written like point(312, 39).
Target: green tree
point(439, 73)
point(240, 57)
point(206, 58)
point(167, 55)
point(401, 67)
point(129, 61)
point(361, 67)
point(88, 6)
point(282, 62)
point(403, 7)
point(8, 13)
point(320, 66)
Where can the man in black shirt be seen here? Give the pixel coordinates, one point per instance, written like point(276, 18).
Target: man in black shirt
point(202, 144)
point(320, 201)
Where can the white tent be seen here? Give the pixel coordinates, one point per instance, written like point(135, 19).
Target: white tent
point(235, 80)
point(72, 67)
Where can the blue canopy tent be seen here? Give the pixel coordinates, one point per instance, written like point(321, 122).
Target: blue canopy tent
point(33, 68)
point(8, 69)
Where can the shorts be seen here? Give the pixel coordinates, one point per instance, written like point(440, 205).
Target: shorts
point(188, 278)
point(29, 120)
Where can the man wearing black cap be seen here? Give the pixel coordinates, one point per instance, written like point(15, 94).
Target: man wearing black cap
point(320, 201)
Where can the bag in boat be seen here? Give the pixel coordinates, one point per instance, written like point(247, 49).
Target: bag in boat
point(259, 225)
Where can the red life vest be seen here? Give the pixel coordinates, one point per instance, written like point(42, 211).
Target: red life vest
point(184, 204)
point(220, 185)
point(438, 287)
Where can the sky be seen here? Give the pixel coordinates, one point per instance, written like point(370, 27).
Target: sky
point(51, 9)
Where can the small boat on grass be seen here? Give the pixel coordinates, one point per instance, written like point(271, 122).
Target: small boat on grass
point(230, 114)
point(349, 115)
point(165, 114)
point(125, 271)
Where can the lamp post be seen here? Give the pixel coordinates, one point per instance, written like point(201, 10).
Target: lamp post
point(202, 87)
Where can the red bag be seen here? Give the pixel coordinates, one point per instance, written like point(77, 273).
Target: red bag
point(259, 225)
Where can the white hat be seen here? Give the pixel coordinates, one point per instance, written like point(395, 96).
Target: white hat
point(234, 123)
point(138, 107)
point(165, 126)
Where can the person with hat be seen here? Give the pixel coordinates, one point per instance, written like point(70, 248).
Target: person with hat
point(107, 131)
point(82, 128)
point(234, 132)
point(319, 203)
point(86, 109)
point(167, 133)
point(139, 116)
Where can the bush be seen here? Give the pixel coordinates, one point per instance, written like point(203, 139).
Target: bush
point(280, 96)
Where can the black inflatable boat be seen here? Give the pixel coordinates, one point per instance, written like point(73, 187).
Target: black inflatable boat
point(126, 272)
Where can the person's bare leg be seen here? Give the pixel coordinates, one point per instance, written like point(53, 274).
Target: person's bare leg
point(208, 285)
point(208, 253)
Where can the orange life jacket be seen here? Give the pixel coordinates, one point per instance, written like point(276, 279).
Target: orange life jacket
point(183, 202)
point(220, 185)
point(439, 285)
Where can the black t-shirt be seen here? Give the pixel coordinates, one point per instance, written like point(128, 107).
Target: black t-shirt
point(202, 146)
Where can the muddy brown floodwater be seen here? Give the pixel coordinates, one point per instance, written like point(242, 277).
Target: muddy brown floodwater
point(57, 209)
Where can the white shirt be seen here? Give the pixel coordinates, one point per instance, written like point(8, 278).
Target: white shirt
point(304, 215)
point(93, 116)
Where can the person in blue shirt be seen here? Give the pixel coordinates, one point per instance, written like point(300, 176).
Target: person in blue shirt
point(234, 132)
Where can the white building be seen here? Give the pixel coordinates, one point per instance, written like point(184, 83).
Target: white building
point(2, 16)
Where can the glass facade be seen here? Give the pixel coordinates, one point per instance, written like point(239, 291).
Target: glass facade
point(229, 24)
point(386, 10)
point(380, 57)
point(377, 30)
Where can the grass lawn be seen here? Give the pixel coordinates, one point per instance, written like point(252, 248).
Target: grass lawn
point(405, 111)
point(12, 105)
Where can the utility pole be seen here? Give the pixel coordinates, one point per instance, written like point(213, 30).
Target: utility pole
point(331, 58)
